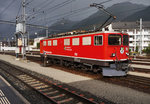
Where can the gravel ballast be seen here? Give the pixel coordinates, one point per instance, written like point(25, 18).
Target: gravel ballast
point(115, 93)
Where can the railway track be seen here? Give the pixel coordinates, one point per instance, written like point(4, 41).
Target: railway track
point(56, 93)
point(128, 81)
point(141, 70)
point(134, 82)
point(139, 63)
point(137, 79)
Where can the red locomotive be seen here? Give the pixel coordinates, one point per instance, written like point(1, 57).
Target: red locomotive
point(106, 51)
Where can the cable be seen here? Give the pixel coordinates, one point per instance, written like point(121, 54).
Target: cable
point(60, 5)
point(43, 6)
point(54, 7)
point(67, 13)
point(67, 2)
point(19, 9)
point(29, 2)
point(9, 5)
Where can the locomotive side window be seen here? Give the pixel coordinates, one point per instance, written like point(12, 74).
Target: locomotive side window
point(44, 43)
point(98, 40)
point(114, 39)
point(66, 41)
point(75, 41)
point(86, 40)
point(125, 40)
point(49, 43)
point(54, 42)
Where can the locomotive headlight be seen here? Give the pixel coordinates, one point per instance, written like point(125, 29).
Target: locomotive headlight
point(113, 55)
point(127, 54)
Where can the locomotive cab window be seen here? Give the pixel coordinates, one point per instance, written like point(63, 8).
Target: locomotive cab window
point(98, 40)
point(114, 39)
point(44, 43)
point(125, 40)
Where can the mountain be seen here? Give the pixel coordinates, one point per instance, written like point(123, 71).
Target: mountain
point(63, 25)
point(120, 10)
point(144, 14)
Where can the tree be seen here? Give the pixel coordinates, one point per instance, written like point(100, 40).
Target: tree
point(137, 49)
point(38, 45)
point(147, 50)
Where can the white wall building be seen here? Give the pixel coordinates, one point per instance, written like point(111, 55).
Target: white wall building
point(133, 29)
point(138, 40)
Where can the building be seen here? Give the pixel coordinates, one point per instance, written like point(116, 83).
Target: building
point(136, 39)
point(136, 36)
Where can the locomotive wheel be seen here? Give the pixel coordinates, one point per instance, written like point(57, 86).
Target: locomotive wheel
point(95, 71)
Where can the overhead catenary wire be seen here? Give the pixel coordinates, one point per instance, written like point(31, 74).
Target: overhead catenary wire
point(42, 5)
point(97, 25)
point(52, 9)
point(8, 6)
point(55, 17)
point(63, 15)
point(29, 2)
point(19, 9)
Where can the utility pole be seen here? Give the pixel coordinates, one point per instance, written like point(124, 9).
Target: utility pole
point(141, 40)
point(24, 30)
point(47, 32)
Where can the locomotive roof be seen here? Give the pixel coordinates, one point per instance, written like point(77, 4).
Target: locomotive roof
point(89, 33)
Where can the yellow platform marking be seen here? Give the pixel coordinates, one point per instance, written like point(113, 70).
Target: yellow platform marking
point(3, 98)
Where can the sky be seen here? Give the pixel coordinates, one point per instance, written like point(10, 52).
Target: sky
point(9, 8)
point(46, 12)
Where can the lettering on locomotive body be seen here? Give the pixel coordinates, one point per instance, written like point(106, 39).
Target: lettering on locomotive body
point(67, 48)
point(122, 50)
point(47, 52)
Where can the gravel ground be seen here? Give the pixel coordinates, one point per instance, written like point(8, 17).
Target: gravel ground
point(115, 93)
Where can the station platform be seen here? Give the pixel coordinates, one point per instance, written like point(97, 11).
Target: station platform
point(8, 95)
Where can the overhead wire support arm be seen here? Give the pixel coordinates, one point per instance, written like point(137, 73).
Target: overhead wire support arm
point(29, 25)
point(101, 7)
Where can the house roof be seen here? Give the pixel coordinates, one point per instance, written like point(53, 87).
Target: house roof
point(130, 25)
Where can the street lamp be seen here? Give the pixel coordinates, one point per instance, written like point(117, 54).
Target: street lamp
point(36, 34)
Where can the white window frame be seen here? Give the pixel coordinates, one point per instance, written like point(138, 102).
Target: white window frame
point(87, 40)
point(49, 43)
point(75, 41)
point(66, 42)
point(54, 42)
point(44, 43)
